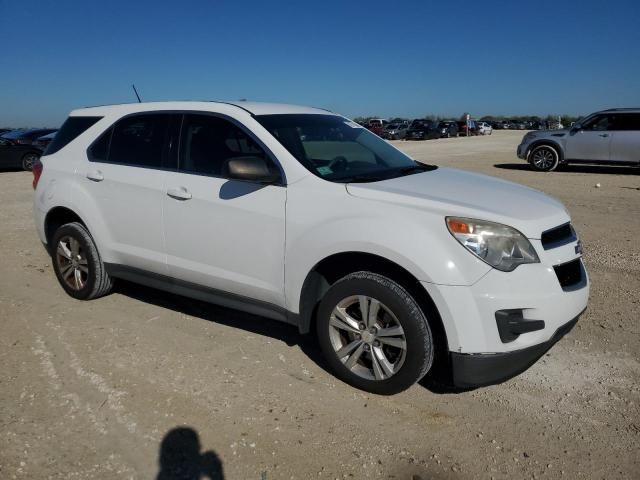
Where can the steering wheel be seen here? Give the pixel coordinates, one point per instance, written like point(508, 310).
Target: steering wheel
point(338, 164)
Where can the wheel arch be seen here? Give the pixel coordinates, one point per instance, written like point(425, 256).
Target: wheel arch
point(334, 267)
point(56, 217)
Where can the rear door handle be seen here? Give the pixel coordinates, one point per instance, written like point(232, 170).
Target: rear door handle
point(95, 176)
point(603, 134)
point(179, 193)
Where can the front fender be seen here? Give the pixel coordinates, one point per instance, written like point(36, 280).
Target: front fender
point(326, 223)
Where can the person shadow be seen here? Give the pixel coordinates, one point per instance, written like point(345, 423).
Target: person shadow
point(181, 459)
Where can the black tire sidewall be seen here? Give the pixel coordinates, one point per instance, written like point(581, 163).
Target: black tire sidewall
point(80, 233)
point(418, 336)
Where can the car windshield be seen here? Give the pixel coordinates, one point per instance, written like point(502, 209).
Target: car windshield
point(339, 150)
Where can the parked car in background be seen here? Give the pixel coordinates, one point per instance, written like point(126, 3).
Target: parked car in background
point(485, 128)
point(467, 130)
point(41, 143)
point(606, 137)
point(393, 265)
point(376, 125)
point(17, 149)
point(448, 129)
point(421, 129)
point(5, 130)
point(395, 131)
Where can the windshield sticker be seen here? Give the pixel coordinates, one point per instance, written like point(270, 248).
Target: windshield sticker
point(325, 170)
point(351, 124)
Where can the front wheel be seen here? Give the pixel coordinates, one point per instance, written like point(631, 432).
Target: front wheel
point(28, 160)
point(373, 334)
point(544, 158)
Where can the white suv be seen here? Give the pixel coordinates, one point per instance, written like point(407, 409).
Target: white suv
point(301, 215)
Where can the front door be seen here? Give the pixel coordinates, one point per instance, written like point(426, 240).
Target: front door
point(591, 142)
point(224, 234)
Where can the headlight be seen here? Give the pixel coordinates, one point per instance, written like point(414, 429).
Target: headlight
point(501, 246)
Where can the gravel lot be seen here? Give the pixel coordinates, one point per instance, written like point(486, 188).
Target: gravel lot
point(97, 389)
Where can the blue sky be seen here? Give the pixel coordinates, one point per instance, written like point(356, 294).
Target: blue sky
point(408, 58)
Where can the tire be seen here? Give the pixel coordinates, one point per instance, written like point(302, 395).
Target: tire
point(28, 159)
point(77, 263)
point(403, 356)
point(544, 158)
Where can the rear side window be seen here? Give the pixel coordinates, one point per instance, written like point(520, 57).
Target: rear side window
point(138, 140)
point(627, 121)
point(72, 128)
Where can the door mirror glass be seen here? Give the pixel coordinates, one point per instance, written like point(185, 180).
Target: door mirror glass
point(253, 169)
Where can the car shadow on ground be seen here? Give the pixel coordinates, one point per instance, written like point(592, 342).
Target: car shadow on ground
point(180, 457)
point(266, 327)
point(605, 170)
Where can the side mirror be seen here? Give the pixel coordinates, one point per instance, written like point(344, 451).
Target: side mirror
point(252, 169)
point(576, 127)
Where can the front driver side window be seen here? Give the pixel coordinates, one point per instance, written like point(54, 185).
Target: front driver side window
point(209, 142)
point(598, 124)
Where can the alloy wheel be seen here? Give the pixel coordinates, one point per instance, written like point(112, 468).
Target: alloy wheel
point(543, 158)
point(28, 160)
point(367, 337)
point(72, 263)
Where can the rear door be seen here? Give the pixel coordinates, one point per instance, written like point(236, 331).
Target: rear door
point(592, 142)
point(223, 234)
point(625, 138)
point(125, 175)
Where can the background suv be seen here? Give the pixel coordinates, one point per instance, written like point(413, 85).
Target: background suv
point(606, 137)
point(303, 216)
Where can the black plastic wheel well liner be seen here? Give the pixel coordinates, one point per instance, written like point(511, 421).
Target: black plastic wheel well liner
point(56, 217)
point(331, 269)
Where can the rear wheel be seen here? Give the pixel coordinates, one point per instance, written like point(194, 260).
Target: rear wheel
point(28, 160)
point(544, 158)
point(77, 264)
point(373, 334)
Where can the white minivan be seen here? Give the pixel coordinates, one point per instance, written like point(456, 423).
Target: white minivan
point(301, 215)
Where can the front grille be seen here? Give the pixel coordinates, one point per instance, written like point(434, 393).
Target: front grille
point(558, 236)
point(569, 274)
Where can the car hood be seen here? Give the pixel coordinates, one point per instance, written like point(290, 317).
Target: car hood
point(452, 192)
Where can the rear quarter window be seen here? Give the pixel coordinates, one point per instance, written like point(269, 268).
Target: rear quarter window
point(72, 128)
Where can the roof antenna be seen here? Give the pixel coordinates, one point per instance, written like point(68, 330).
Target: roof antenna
point(136, 92)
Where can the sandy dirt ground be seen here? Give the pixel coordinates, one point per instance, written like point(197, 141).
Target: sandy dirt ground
point(142, 384)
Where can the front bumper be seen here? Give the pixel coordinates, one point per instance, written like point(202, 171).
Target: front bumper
point(479, 370)
point(522, 151)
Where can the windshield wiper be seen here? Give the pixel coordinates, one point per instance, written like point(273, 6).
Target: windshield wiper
point(417, 168)
point(362, 178)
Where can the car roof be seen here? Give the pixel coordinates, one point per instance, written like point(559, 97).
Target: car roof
point(625, 110)
point(24, 132)
point(254, 108)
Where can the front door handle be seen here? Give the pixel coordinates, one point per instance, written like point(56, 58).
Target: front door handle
point(603, 134)
point(95, 176)
point(179, 193)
